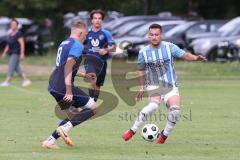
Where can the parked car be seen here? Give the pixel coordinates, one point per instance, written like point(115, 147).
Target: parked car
point(126, 28)
point(229, 50)
point(208, 46)
point(112, 25)
point(131, 44)
point(181, 33)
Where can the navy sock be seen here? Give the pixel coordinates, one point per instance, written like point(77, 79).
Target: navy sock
point(82, 116)
point(96, 95)
point(54, 134)
point(91, 92)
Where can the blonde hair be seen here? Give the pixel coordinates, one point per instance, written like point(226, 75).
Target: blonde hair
point(78, 24)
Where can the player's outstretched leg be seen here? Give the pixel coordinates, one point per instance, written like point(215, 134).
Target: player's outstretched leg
point(146, 111)
point(66, 125)
point(173, 117)
point(78, 118)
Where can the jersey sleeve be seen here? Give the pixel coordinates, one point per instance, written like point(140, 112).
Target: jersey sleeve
point(19, 35)
point(176, 51)
point(76, 50)
point(141, 62)
point(109, 37)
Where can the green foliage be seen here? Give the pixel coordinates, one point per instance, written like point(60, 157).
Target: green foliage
point(38, 9)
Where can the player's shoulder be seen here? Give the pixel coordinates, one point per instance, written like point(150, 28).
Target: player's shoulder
point(77, 44)
point(165, 43)
point(19, 34)
point(170, 44)
point(66, 42)
point(144, 49)
point(105, 31)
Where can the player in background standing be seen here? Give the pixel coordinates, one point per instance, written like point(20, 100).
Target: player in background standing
point(99, 43)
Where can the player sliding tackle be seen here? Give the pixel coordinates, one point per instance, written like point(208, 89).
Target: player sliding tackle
point(157, 71)
point(61, 85)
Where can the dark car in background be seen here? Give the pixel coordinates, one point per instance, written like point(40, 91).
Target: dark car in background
point(229, 50)
point(113, 25)
point(208, 46)
point(180, 34)
point(129, 45)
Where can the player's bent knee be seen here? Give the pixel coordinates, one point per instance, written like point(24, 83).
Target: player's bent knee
point(174, 113)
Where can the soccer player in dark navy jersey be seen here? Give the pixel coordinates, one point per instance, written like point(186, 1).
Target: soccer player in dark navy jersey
point(61, 85)
point(99, 43)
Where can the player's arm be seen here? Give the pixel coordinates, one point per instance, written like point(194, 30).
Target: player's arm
point(85, 75)
point(22, 47)
point(81, 74)
point(190, 57)
point(68, 78)
point(111, 47)
point(5, 51)
point(179, 53)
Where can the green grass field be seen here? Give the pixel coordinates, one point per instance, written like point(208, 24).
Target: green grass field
point(210, 130)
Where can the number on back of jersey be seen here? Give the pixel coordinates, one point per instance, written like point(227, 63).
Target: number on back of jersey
point(58, 59)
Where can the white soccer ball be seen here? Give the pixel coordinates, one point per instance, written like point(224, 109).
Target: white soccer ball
point(150, 132)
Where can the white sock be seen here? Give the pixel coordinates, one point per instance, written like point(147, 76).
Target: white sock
point(67, 126)
point(51, 140)
point(146, 111)
point(173, 117)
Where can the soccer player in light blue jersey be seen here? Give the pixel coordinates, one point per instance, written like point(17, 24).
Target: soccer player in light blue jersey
point(157, 72)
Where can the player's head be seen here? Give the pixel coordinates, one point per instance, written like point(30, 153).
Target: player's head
point(79, 30)
point(155, 34)
point(14, 24)
point(97, 17)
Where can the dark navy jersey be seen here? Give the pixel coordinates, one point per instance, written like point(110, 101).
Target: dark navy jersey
point(12, 41)
point(68, 48)
point(98, 40)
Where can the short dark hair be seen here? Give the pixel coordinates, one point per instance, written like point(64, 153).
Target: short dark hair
point(14, 20)
point(99, 11)
point(155, 26)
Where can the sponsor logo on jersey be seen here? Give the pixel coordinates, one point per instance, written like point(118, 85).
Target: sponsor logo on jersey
point(94, 42)
point(101, 37)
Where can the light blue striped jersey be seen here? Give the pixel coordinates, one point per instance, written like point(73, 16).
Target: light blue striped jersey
point(158, 63)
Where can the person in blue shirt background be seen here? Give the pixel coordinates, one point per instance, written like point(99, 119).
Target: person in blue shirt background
point(99, 43)
point(15, 47)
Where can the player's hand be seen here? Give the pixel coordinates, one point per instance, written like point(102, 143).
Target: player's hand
point(3, 56)
point(91, 76)
point(22, 56)
point(103, 51)
point(68, 97)
point(140, 94)
point(201, 58)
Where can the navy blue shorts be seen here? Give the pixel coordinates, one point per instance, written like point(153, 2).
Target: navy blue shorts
point(99, 71)
point(80, 98)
